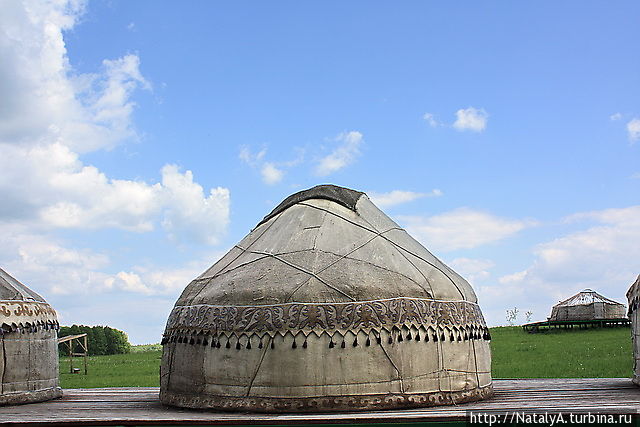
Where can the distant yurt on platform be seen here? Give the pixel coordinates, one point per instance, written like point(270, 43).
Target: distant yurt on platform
point(587, 305)
point(29, 345)
point(634, 315)
point(327, 305)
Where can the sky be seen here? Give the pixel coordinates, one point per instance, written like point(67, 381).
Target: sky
point(139, 141)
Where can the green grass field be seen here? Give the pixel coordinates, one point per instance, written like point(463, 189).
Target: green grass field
point(516, 354)
point(590, 353)
point(136, 369)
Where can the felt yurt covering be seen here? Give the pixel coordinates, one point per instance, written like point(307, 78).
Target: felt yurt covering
point(28, 345)
point(634, 315)
point(587, 305)
point(327, 305)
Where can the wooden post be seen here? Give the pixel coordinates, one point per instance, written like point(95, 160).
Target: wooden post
point(70, 356)
point(86, 352)
point(72, 341)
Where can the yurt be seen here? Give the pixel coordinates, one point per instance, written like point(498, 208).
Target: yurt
point(634, 315)
point(29, 346)
point(326, 305)
point(587, 305)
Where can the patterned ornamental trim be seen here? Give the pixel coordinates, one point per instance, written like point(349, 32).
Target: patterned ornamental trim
point(26, 316)
point(326, 403)
point(326, 318)
point(337, 339)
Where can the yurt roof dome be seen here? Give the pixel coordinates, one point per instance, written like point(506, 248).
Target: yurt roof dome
point(586, 297)
point(20, 307)
point(12, 289)
point(355, 250)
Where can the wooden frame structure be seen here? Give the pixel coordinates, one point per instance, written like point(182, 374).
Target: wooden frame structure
point(70, 339)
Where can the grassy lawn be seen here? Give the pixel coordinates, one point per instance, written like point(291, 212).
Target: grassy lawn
point(136, 369)
point(516, 354)
point(590, 353)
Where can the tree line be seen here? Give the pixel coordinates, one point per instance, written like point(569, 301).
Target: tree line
point(101, 340)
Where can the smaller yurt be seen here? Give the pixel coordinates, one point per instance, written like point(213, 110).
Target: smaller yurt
point(587, 305)
point(634, 315)
point(28, 345)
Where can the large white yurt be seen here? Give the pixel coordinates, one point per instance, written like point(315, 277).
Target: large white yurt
point(28, 345)
point(587, 305)
point(633, 295)
point(327, 305)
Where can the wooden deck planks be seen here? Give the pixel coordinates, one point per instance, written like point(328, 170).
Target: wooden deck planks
point(141, 406)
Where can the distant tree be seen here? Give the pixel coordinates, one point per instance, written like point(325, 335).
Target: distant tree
point(102, 340)
point(117, 341)
point(512, 316)
point(528, 315)
point(99, 340)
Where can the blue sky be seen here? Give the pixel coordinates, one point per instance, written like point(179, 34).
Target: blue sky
point(140, 140)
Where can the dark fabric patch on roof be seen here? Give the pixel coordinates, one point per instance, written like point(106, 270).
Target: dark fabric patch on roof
point(344, 196)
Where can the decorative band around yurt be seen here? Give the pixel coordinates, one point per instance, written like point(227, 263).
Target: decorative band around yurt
point(402, 318)
point(26, 316)
point(328, 403)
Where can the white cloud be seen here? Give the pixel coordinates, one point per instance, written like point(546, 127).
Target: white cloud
point(49, 115)
point(188, 214)
point(606, 250)
point(396, 197)
point(110, 104)
point(159, 280)
point(50, 267)
point(343, 155)
point(47, 265)
point(471, 119)
point(247, 156)
point(496, 296)
point(431, 119)
point(36, 92)
point(40, 252)
point(48, 185)
point(462, 228)
point(616, 116)
point(129, 282)
point(516, 277)
point(635, 175)
point(603, 256)
point(633, 130)
point(271, 174)
point(43, 99)
point(473, 270)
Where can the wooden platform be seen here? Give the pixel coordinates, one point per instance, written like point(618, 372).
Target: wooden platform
point(139, 406)
point(576, 324)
